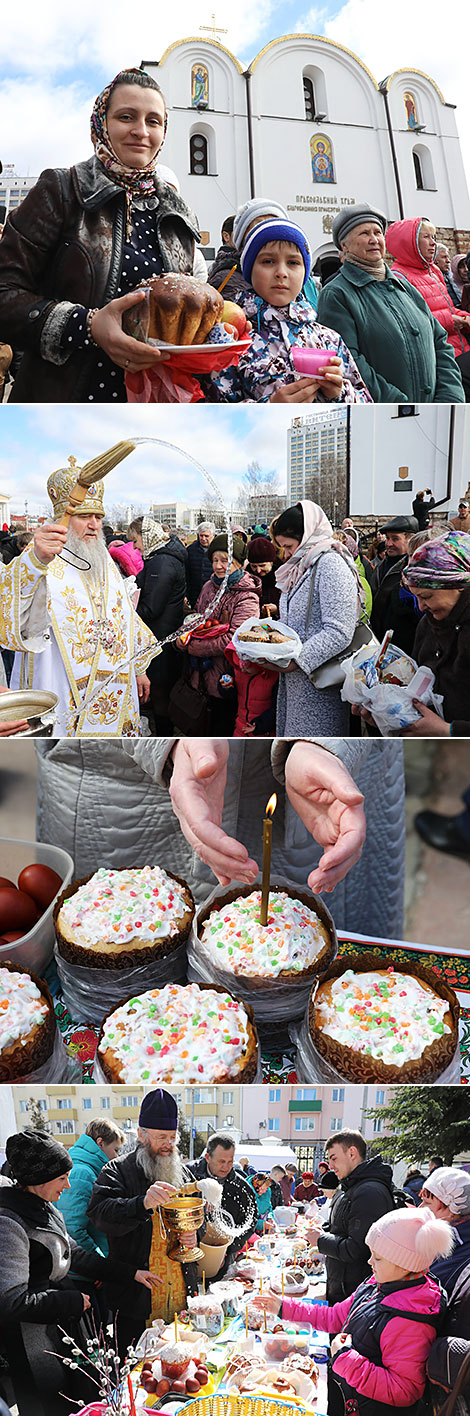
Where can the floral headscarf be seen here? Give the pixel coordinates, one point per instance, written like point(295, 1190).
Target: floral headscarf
point(441, 564)
point(153, 536)
point(135, 180)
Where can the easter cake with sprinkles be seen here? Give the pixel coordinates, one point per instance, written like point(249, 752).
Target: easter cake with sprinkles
point(27, 1023)
point(297, 941)
point(377, 1022)
point(117, 918)
point(179, 1034)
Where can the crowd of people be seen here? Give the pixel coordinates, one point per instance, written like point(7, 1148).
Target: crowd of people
point(132, 591)
point(82, 1239)
point(83, 240)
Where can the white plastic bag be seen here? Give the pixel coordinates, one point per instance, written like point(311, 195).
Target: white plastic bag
point(278, 655)
point(390, 704)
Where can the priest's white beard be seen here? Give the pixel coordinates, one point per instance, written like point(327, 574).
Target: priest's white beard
point(91, 555)
point(166, 1168)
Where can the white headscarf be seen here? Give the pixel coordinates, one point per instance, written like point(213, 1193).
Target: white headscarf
point(451, 1185)
point(318, 537)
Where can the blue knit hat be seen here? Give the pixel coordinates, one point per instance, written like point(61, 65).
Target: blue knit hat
point(274, 231)
point(159, 1111)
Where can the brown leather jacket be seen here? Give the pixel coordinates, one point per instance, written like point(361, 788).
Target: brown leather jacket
point(62, 247)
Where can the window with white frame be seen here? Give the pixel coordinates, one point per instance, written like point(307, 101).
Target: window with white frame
point(305, 1123)
point(86, 1103)
point(336, 1123)
point(64, 1103)
point(227, 1098)
point(379, 1098)
point(306, 1094)
point(105, 1103)
point(64, 1128)
point(24, 1108)
point(338, 1094)
point(378, 1123)
point(129, 1100)
point(275, 1094)
point(273, 1123)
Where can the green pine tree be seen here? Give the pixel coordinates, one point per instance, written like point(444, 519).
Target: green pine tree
point(36, 1118)
point(425, 1121)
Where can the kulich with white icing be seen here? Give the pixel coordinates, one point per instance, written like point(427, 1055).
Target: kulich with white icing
point(115, 906)
point(386, 1014)
point(291, 941)
point(22, 1007)
point(27, 1023)
point(177, 1034)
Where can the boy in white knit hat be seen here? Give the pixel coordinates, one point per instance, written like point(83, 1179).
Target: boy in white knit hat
point(385, 1330)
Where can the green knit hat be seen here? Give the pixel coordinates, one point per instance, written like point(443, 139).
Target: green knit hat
point(220, 543)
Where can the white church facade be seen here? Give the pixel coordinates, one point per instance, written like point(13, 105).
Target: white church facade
point(308, 124)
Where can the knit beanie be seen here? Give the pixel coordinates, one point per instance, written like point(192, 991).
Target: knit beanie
point(411, 1238)
point(257, 207)
point(452, 1186)
point(159, 1111)
point(274, 231)
point(35, 1157)
point(356, 215)
point(261, 549)
point(329, 1180)
point(220, 543)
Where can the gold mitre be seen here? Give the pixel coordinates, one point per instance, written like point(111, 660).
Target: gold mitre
point(62, 483)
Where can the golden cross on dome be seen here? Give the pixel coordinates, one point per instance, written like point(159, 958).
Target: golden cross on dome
point(73, 461)
point(213, 28)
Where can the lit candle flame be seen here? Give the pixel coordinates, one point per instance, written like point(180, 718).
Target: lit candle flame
point(271, 806)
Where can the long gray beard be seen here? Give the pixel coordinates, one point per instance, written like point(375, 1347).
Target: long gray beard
point(166, 1168)
point(93, 553)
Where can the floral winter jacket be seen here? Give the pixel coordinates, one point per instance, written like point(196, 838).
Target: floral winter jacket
point(268, 364)
point(402, 242)
point(400, 1343)
point(238, 603)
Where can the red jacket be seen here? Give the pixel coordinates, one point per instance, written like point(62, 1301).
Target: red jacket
point(239, 602)
point(402, 242)
point(254, 693)
point(404, 1345)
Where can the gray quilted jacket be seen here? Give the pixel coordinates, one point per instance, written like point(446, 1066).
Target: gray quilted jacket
point(109, 805)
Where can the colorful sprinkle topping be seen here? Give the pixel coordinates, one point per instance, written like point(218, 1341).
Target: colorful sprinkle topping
point(116, 906)
point(390, 1015)
point(177, 1033)
point(292, 938)
point(22, 1007)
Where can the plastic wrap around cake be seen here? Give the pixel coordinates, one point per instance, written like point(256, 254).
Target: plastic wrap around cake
point(266, 639)
point(190, 322)
point(385, 681)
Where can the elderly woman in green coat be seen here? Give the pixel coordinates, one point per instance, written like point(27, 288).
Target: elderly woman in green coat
point(400, 348)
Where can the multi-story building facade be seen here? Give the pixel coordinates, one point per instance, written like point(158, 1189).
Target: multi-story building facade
point(317, 461)
point(68, 1109)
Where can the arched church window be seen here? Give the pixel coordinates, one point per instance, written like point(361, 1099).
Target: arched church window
point(321, 155)
point(198, 156)
point(418, 172)
point(424, 170)
point(309, 99)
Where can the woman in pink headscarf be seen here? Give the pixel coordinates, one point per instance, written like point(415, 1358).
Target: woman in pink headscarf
point(321, 600)
point(438, 574)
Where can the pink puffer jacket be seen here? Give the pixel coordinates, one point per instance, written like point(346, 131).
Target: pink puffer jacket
point(404, 1345)
point(239, 602)
point(402, 243)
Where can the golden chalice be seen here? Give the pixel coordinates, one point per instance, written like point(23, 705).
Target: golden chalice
point(183, 1214)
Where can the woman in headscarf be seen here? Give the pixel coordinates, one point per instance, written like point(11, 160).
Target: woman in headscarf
point(37, 1295)
point(438, 575)
point(162, 586)
point(457, 278)
point(207, 654)
point(261, 1184)
point(321, 598)
point(73, 253)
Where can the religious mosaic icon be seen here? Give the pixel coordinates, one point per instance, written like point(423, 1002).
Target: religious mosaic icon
point(199, 86)
point(411, 112)
point(321, 153)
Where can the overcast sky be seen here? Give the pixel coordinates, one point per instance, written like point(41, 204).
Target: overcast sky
point(57, 56)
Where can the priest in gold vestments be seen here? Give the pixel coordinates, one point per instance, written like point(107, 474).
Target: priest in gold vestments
point(125, 1204)
point(65, 611)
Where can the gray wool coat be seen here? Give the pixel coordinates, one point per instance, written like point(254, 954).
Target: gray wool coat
point(325, 626)
point(108, 804)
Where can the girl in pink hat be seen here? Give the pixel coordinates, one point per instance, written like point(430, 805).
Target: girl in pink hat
point(385, 1330)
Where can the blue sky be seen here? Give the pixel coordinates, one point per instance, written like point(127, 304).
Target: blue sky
point(37, 440)
point(56, 57)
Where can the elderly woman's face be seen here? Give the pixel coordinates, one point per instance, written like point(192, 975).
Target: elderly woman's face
point(52, 1189)
point(135, 120)
point(427, 242)
point(288, 545)
point(438, 603)
point(366, 241)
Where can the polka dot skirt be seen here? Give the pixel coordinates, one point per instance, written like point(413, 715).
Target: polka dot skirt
point(140, 259)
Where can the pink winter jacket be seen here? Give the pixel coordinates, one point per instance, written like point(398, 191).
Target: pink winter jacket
point(404, 1346)
point(238, 603)
point(402, 243)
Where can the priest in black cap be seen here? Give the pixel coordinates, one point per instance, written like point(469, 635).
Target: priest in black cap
point(37, 1295)
point(125, 1204)
point(393, 606)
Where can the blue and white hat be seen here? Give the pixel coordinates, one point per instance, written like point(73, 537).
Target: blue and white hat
point(274, 231)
